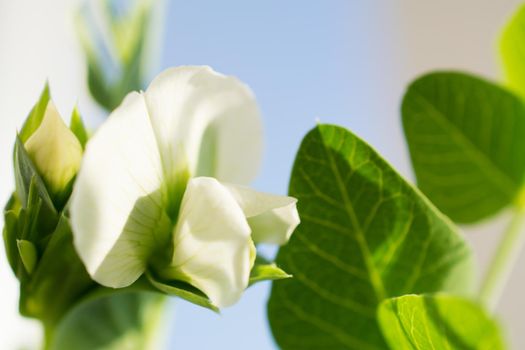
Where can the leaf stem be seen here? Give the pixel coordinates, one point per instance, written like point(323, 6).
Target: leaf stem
point(503, 260)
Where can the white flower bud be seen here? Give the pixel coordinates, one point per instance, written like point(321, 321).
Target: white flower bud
point(55, 151)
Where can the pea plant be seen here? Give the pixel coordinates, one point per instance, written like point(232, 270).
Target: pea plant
point(103, 226)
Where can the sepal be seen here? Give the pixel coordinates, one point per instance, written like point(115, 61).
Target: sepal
point(264, 270)
point(182, 290)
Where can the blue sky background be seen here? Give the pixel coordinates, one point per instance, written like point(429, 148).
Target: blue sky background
point(304, 60)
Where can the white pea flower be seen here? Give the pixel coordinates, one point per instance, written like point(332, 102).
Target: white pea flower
point(155, 191)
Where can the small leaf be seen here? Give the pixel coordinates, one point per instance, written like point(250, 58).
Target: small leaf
point(182, 290)
point(437, 322)
point(34, 118)
point(511, 51)
point(365, 235)
point(119, 321)
point(465, 137)
point(28, 254)
point(265, 271)
point(77, 127)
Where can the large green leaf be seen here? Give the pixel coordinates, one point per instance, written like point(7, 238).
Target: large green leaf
point(465, 137)
point(121, 321)
point(421, 322)
point(365, 235)
point(512, 51)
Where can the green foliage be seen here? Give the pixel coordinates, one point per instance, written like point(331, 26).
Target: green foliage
point(437, 322)
point(126, 321)
point(512, 52)
point(365, 235)
point(466, 142)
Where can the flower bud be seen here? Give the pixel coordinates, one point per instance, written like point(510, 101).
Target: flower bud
point(55, 151)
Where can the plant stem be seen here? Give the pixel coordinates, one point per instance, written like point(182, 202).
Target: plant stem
point(48, 337)
point(503, 260)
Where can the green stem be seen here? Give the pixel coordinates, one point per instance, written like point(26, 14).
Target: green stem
point(48, 337)
point(503, 260)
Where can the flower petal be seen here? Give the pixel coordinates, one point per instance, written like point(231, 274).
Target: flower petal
point(212, 119)
point(116, 210)
point(212, 242)
point(272, 218)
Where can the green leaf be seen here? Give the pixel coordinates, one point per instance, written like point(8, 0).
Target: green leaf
point(118, 321)
point(36, 115)
point(511, 52)
point(437, 322)
point(77, 127)
point(264, 270)
point(28, 254)
point(365, 235)
point(465, 137)
point(182, 290)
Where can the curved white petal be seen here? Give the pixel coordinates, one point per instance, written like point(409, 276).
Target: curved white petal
point(208, 120)
point(272, 218)
point(116, 201)
point(212, 242)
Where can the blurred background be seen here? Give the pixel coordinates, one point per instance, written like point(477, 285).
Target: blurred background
point(339, 61)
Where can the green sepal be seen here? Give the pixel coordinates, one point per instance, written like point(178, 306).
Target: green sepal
point(59, 279)
point(10, 233)
point(25, 173)
point(76, 125)
point(28, 254)
point(263, 270)
point(36, 115)
point(182, 290)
